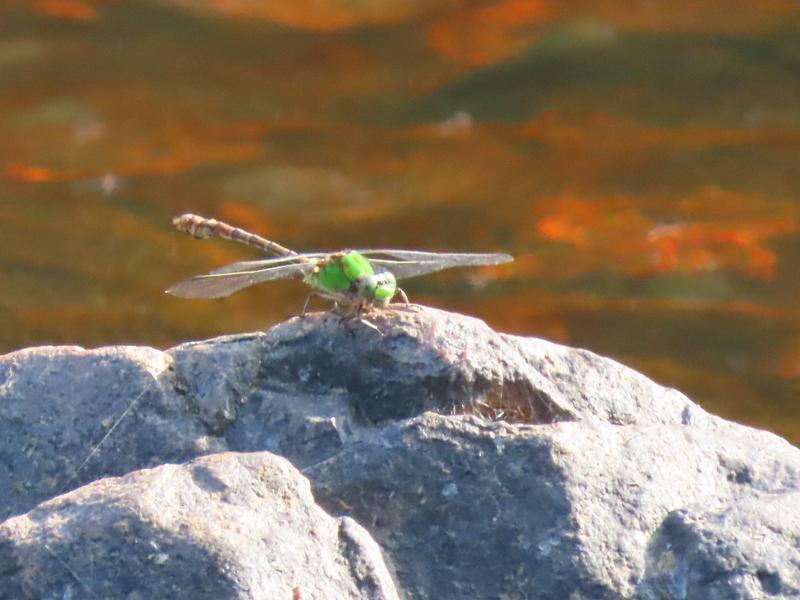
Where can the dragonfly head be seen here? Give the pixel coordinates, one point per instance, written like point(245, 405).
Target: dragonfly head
point(378, 287)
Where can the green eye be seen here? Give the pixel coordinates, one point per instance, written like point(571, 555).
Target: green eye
point(385, 292)
point(380, 287)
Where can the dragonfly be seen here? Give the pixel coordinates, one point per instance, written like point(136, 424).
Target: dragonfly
point(354, 279)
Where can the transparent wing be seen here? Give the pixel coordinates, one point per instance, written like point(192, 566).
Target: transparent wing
point(257, 265)
point(405, 264)
point(219, 284)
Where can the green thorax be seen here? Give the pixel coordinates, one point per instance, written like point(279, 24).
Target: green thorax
point(340, 273)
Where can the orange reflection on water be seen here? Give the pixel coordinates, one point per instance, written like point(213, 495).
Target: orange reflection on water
point(488, 21)
point(488, 32)
point(709, 246)
point(31, 173)
point(614, 231)
point(67, 9)
point(315, 15)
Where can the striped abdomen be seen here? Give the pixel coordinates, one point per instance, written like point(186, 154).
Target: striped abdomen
point(203, 228)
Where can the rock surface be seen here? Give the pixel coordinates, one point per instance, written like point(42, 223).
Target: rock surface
point(485, 465)
point(598, 510)
point(56, 403)
point(223, 526)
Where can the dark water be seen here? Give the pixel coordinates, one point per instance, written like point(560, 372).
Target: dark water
point(641, 161)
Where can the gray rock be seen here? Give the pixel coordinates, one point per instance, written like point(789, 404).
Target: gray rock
point(216, 377)
point(57, 403)
point(224, 526)
point(485, 465)
point(745, 550)
point(521, 511)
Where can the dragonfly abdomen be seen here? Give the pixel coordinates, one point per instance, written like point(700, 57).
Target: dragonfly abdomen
point(203, 228)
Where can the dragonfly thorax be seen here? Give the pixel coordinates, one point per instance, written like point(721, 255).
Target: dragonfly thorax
point(349, 277)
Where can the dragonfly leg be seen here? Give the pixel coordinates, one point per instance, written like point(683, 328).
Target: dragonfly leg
point(363, 321)
point(305, 304)
point(403, 296)
point(406, 304)
point(359, 317)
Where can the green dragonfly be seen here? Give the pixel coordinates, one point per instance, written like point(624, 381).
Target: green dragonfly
point(355, 279)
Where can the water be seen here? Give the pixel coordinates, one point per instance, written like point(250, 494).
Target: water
point(640, 161)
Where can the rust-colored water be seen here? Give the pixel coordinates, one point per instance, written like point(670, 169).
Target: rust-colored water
point(639, 159)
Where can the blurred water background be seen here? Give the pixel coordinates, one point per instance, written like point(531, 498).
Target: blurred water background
point(640, 159)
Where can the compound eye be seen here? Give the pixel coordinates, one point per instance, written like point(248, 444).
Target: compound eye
point(367, 287)
point(379, 288)
point(385, 289)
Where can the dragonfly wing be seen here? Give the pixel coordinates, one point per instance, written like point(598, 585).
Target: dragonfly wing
point(492, 258)
point(263, 263)
point(219, 285)
point(405, 264)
